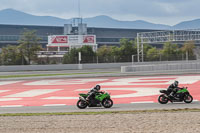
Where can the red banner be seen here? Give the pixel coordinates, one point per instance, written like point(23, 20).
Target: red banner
point(59, 39)
point(88, 39)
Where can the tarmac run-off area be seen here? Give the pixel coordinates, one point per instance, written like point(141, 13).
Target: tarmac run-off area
point(123, 90)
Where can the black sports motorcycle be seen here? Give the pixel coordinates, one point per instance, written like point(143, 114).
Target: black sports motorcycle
point(181, 95)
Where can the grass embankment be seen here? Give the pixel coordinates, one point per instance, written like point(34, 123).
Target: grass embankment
point(57, 74)
point(103, 112)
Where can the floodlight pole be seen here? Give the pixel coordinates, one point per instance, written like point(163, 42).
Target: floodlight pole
point(138, 48)
point(140, 53)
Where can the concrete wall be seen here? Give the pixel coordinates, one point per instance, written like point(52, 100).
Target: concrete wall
point(141, 66)
point(61, 67)
point(180, 66)
point(38, 67)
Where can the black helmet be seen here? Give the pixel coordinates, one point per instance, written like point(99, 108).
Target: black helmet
point(98, 87)
point(175, 83)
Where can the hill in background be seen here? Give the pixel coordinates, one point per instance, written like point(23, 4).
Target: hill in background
point(11, 16)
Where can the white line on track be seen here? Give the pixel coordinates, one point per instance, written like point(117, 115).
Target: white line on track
point(8, 106)
point(33, 93)
point(54, 105)
point(1, 91)
point(9, 82)
point(143, 102)
point(9, 99)
point(60, 98)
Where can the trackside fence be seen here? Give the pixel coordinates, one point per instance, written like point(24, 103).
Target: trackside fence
point(194, 66)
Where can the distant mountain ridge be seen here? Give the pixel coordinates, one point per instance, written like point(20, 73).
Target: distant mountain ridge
point(108, 22)
point(14, 17)
point(11, 16)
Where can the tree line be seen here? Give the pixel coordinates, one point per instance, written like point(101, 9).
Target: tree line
point(25, 52)
point(128, 50)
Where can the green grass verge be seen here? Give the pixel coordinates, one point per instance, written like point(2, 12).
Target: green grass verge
point(58, 74)
point(102, 112)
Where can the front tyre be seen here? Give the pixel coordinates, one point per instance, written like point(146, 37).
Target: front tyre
point(107, 103)
point(188, 99)
point(162, 99)
point(81, 104)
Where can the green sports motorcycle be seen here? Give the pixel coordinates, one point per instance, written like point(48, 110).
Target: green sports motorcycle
point(100, 99)
point(182, 95)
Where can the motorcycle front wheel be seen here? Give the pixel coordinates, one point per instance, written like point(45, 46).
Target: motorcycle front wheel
point(188, 99)
point(81, 104)
point(162, 99)
point(107, 103)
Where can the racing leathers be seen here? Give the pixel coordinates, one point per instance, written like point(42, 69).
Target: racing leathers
point(173, 88)
point(92, 93)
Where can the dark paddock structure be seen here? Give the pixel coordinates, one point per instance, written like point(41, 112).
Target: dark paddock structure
point(10, 34)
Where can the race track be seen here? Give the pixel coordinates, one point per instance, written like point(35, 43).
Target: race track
point(63, 93)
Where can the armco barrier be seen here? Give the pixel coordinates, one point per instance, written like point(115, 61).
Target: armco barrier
point(162, 67)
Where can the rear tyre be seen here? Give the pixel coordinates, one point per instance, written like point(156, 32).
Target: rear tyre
point(107, 103)
point(188, 99)
point(81, 104)
point(162, 99)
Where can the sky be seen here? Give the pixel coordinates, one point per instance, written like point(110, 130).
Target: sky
point(169, 12)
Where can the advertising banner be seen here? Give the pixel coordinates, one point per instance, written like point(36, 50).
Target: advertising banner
point(59, 39)
point(88, 39)
point(74, 39)
point(66, 40)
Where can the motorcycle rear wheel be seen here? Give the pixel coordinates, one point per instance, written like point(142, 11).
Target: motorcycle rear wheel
point(162, 99)
point(107, 103)
point(81, 104)
point(188, 99)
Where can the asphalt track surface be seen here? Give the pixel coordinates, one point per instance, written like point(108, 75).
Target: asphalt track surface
point(116, 107)
point(122, 100)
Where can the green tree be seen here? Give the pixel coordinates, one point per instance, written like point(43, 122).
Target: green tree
point(127, 49)
point(188, 48)
point(116, 54)
point(71, 57)
point(104, 54)
point(0, 57)
point(87, 54)
point(170, 51)
point(146, 48)
point(29, 45)
point(10, 55)
point(153, 54)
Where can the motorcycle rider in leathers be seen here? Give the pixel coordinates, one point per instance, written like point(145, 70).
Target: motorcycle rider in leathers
point(92, 92)
point(173, 88)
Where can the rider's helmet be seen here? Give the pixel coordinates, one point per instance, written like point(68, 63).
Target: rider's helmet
point(175, 83)
point(98, 87)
